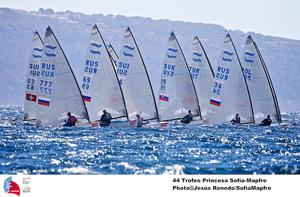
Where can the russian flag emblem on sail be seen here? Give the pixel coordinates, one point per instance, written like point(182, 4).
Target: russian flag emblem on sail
point(163, 98)
point(31, 97)
point(86, 98)
point(215, 102)
point(44, 101)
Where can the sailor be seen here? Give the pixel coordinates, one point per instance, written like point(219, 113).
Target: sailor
point(236, 120)
point(266, 122)
point(71, 120)
point(139, 121)
point(187, 118)
point(105, 119)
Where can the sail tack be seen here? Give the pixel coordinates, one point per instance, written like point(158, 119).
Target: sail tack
point(58, 91)
point(99, 84)
point(32, 77)
point(177, 92)
point(259, 82)
point(202, 75)
point(229, 93)
point(134, 79)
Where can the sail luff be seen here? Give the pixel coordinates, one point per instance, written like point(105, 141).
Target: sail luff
point(193, 85)
point(87, 114)
point(247, 88)
point(148, 78)
point(112, 64)
point(274, 97)
point(211, 69)
point(30, 101)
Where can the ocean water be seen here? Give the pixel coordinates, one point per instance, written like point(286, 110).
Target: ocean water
point(222, 149)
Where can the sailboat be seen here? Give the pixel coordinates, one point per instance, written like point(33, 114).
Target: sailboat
point(57, 89)
point(32, 78)
point(230, 93)
point(202, 75)
point(177, 92)
point(113, 53)
point(135, 81)
point(261, 89)
point(99, 84)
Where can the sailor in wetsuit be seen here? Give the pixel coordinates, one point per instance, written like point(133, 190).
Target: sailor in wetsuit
point(139, 120)
point(188, 118)
point(105, 119)
point(266, 122)
point(71, 120)
point(236, 120)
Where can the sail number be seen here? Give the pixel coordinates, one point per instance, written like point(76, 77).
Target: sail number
point(217, 88)
point(168, 70)
point(47, 70)
point(91, 66)
point(30, 84)
point(46, 87)
point(247, 73)
point(123, 68)
point(86, 82)
point(163, 83)
point(194, 72)
point(222, 73)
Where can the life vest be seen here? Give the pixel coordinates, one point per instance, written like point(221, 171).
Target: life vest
point(73, 120)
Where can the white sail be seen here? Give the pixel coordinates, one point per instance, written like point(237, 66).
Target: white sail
point(202, 75)
point(58, 91)
point(230, 94)
point(113, 53)
point(260, 87)
point(134, 79)
point(99, 85)
point(33, 72)
point(177, 92)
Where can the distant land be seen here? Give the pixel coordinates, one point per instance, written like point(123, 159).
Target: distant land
point(72, 30)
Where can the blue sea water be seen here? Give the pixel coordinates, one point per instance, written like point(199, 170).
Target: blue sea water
point(223, 149)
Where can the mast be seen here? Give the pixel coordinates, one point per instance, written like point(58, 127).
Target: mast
point(269, 82)
point(87, 114)
point(186, 65)
point(157, 117)
point(243, 79)
point(112, 64)
point(211, 69)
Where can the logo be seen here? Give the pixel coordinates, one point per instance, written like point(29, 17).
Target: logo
point(11, 187)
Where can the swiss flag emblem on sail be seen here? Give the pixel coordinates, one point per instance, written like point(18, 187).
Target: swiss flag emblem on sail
point(31, 97)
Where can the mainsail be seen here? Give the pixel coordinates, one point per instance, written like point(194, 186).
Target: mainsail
point(33, 72)
point(113, 53)
point(99, 85)
point(260, 85)
point(177, 93)
point(134, 79)
point(58, 91)
point(230, 94)
point(202, 75)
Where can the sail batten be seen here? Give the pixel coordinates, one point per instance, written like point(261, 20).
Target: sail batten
point(177, 93)
point(135, 81)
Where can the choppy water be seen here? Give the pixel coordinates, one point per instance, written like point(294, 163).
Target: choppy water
point(221, 149)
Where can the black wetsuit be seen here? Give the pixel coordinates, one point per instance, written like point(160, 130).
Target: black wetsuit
point(105, 119)
point(187, 119)
point(237, 120)
point(266, 122)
